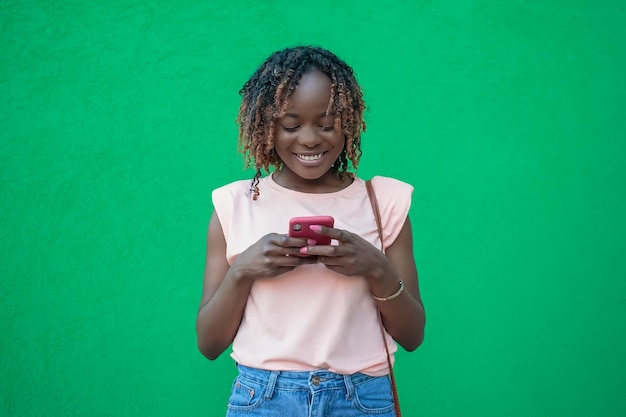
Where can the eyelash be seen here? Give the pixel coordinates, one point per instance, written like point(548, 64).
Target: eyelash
point(322, 128)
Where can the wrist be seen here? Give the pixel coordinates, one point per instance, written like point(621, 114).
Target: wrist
point(383, 283)
point(239, 276)
point(391, 296)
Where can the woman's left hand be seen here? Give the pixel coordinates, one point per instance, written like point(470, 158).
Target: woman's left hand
point(353, 256)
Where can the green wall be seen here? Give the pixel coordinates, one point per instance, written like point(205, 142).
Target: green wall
point(117, 120)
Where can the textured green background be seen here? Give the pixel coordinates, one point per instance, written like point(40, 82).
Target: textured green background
point(117, 120)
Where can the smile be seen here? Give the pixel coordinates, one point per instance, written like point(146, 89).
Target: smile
point(310, 157)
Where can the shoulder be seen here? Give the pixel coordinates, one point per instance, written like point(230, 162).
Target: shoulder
point(237, 189)
point(394, 202)
point(387, 186)
point(226, 197)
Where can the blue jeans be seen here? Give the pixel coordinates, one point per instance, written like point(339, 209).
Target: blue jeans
point(259, 393)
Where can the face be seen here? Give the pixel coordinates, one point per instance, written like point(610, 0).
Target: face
point(306, 139)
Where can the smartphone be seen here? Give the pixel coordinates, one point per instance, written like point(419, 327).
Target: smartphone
point(299, 227)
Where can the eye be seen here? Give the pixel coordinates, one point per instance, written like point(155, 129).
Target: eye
point(290, 129)
point(327, 123)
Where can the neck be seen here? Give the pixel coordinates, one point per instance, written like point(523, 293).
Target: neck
point(331, 182)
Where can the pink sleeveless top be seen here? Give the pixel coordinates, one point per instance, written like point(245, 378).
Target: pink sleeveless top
point(310, 318)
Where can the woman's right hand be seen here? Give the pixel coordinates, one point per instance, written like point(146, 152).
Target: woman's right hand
point(272, 255)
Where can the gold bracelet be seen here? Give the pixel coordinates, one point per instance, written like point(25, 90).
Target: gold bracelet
point(392, 296)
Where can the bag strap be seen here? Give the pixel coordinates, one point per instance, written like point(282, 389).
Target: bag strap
point(379, 225)
point(374, 202)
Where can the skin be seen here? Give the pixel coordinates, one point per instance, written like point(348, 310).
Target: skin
point(308, 143)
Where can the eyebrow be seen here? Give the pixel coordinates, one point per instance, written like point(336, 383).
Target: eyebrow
point(297, 115)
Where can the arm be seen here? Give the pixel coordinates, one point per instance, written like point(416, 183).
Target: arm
point(403, 317)
point(226, 287)
point(224, 297)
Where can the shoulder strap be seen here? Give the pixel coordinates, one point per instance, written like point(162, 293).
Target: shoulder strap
point(379, 225)
point(374, 203)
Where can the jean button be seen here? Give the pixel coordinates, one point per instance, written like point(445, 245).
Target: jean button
point(316, 380)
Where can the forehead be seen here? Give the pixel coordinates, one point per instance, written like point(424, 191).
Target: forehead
point(312, 92)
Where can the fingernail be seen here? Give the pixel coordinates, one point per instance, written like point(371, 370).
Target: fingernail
point(315, 227)
point(311, 242)
point(303, 250)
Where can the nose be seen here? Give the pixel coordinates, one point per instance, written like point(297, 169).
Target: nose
point(309, 136)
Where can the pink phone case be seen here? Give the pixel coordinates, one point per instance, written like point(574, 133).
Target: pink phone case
point(299, 227)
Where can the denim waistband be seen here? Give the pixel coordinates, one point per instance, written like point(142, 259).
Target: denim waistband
point(316, 380)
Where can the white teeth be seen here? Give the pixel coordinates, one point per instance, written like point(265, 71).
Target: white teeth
point(310, 157)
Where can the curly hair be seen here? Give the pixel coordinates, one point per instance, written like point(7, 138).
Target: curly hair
point(265, 99)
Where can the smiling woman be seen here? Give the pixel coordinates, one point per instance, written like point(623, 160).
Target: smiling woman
point(268, 95)
point(304, 319)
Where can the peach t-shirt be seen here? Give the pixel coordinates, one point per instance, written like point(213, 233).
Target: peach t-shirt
point(311, 317)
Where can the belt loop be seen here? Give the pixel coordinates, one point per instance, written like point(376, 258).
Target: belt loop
point(347, 379)
point(271, 384)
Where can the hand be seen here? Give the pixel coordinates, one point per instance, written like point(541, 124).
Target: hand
point(354, 256)
point(270, 256)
